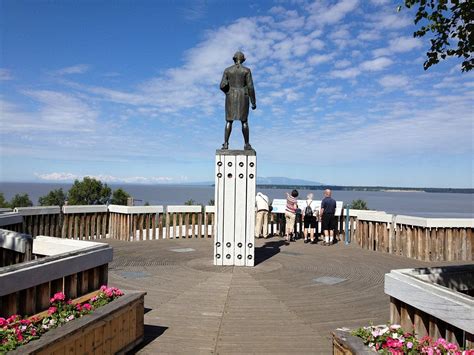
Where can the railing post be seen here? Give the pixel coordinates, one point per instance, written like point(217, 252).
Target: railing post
point(347, 225)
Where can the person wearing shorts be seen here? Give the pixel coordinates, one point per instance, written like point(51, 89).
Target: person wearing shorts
point(309, 219)
point(290, 214)
point(327, 211)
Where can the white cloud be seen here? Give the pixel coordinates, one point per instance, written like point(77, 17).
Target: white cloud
point(57, 176)
point(323, 14)
point(66, 176)
point(399, 45)
point(5, 74)
point(344, 63)
point(319, 59)
point(369, 35)
point(75, 69)
point(57, 112)
point(329, 90)
point(390, 20)
point(349, 73)
point(394, 81)
point(376, 64)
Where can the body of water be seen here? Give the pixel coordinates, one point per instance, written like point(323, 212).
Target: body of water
point(423, 204)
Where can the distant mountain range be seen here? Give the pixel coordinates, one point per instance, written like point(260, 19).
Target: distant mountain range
point(275, 180)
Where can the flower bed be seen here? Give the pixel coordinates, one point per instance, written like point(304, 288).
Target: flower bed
point(392, 339)
point(16, 331)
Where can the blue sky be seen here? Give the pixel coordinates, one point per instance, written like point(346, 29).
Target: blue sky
point(128, 91)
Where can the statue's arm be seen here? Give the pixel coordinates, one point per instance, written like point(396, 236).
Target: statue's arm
point(251, 90)
point(225, 82)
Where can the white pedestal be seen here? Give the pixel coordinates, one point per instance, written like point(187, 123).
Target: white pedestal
point(236, 176)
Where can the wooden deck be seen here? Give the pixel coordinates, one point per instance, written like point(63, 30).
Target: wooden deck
point(287, 304)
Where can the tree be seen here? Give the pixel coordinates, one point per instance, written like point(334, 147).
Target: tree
point(53, 198)
point(358, 205)
point(211, 202)
point(449, 21)
point(190, 202)
point(89, 191)
point(21, 200)
point(119, 197)
point(3, 202)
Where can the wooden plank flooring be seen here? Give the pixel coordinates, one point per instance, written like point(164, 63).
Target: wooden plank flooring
point(287, 304)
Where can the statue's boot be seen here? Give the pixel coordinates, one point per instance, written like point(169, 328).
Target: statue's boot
point(248, 147)
point(225, 146)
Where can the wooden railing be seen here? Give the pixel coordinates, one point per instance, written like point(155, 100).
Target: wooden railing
point(15, 248)
point(73, 267)
point(41, 220)
point(84, 222)
point(432, 301)
point(153, 222)
point(428, 239)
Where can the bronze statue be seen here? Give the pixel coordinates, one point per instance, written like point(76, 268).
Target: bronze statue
point(238, 87)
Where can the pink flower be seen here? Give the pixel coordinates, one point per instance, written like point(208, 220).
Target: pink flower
point(71, 317)
point(12, 318)
point(103, 288)
point(52, 310)
point(395, 326)
point(409, 345)
point(87, 306)
point(25, 321)
point(78, 307)
point(3, 322)
point(59, 296)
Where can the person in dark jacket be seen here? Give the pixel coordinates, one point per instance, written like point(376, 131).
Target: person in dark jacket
point(327, 211)
point(238, 87)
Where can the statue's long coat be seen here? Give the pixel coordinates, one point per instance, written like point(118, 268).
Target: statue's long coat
point(238, 87)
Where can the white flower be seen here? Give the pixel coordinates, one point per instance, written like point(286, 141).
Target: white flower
point(371, 345)
point(45, 326)
point(395, 326)
point(384, 330)
point(394, 335)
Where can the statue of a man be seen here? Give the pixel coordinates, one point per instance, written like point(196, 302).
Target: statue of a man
point(238, 87)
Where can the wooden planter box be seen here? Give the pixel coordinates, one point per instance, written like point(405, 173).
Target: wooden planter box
point(343, 343)
point(114, 328)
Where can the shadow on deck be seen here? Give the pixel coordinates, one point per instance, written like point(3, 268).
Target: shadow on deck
point(288, 303)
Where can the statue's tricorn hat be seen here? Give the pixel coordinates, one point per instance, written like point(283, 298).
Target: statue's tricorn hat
point(239, 55)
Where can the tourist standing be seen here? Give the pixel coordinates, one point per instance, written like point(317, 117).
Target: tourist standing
point(290, 214)
point(263, 207)
point(309, 220)
point(327, 211)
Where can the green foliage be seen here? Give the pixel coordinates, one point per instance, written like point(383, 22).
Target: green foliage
point(211, 202)
point(21, 200)
point(190, 202)
point(89, 191)
point(55, 197)
point(358, 205)
point(146, 203)
point(3, 202)
point(119, 197)
point(452, 27)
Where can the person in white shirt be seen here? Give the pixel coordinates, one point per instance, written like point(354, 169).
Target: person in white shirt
point(261, 222)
